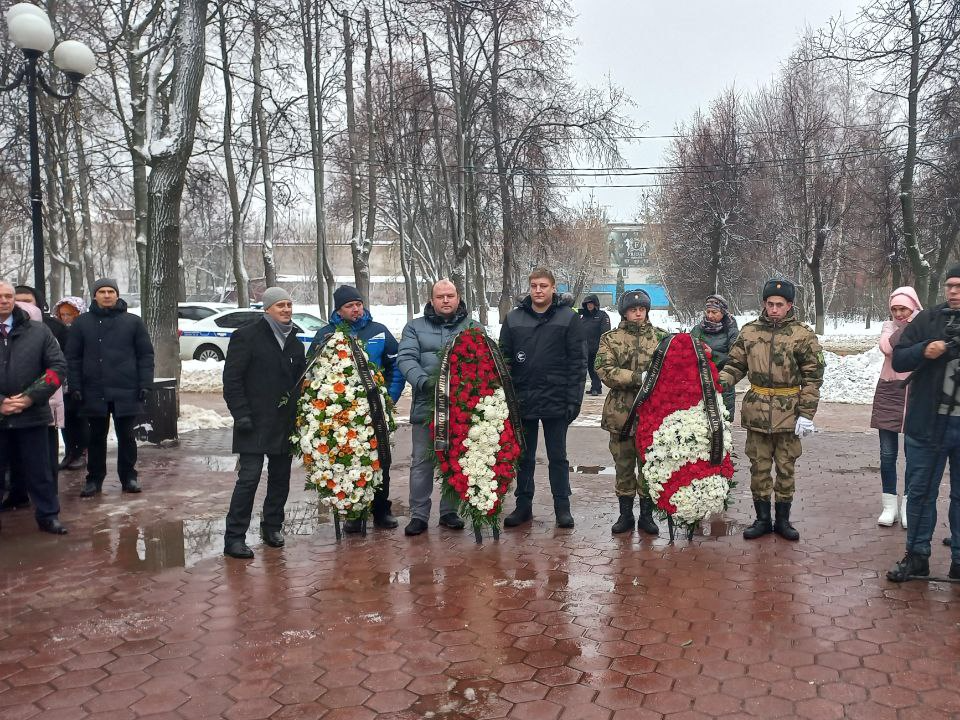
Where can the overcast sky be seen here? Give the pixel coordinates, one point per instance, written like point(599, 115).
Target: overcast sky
point(673, 56)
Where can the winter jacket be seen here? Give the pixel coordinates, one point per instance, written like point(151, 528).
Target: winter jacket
point(890, 396)
point(784, 364)
point(30, 362)
point(421, 341)
point(595, 323)
point(923, 421)
point(56, 400)
point(720, 344)
point(380, 344)
point(110, 360)
point(548, 359)
point(261, 381)
point(624, 356)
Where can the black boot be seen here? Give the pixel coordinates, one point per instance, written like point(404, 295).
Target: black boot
point(131, 486)
point(91, 488)
point(352, 527)
point(12, 502)
point(645, 521)
point(561, 508)
point(273, 537)
point(521, 514)
point(625, 522)
point(782, 526)
point(912, 565)
point(762, 525)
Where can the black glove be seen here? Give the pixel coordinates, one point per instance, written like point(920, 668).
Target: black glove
point(244, 424)
point(573, 412)
point(76, 396)
point(142, 395)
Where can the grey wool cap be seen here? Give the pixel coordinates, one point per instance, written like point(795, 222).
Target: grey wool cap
point(273, 295)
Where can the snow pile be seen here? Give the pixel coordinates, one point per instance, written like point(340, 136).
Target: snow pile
point(851, 378)
point(198, 418)
point(201, 376)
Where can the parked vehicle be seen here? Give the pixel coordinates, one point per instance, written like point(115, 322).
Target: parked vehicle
point(207, 339)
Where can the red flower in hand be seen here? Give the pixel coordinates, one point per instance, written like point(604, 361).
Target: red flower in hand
point(50, 377)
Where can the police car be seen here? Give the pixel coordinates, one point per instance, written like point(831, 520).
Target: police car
point(207, 339)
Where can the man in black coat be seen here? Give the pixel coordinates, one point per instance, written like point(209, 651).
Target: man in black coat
point(31, 370)
point(543, 342)
point(595, 322)
point(261, 385)
point(929, 347)
point(110, 361)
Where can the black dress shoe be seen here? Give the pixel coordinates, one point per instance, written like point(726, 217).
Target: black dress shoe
point(274, 538)
point(415, 527)
point(946, 541)
point(91, 488)
point(385, 522)
point(65, 463)
point(452, 521)
point(78, 462)
point(238, 550)
point(14, 503)
point(132, 486)
point(52, 525)
point(520, 515)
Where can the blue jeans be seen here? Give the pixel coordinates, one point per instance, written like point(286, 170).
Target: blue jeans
point(925, 465)
point(889, 446)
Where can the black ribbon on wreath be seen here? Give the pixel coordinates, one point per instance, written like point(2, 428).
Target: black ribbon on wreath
point(378, 413)
point(649, 382)
point(711, 405)
point(441, 405)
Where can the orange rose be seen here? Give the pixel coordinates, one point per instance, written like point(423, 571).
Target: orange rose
point(373, 443)
point(361, 482)
point(323, 449)
point(351, 434)
point(375, 464)
point(339, 387)
point(331, 484)
point(342, 354)
point(341, 495)
point(320, 404)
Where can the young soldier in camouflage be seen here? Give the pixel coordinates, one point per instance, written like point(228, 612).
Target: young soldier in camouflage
point(622, 358)
point(782, 359)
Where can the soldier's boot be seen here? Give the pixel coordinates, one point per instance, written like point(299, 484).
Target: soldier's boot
point(521, 514)
point(762, 525)
point(561, 509)
point(912, 565)
point(782, 526)
point(625, 522)
point(645, 521)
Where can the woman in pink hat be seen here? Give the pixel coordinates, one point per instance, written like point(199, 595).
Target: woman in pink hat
point(889, 403)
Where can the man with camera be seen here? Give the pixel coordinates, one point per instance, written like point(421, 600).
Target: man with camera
point(930, 348)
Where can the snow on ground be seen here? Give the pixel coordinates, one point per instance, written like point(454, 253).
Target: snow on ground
point(198, 418)
point(851, 378)
point(201, 376)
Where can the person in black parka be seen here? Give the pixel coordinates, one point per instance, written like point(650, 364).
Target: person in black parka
point(595, 322)
point(110, 373)
point(542, 340)
point(261, 385)
point(31, 370)
point(718, 330)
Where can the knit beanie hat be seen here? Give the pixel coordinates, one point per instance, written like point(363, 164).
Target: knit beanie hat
point(344, 294)
point(633, 298)
point(716, 302)
point(953, 272)
point(273, 295)
point(106, 283)
point(782, 288)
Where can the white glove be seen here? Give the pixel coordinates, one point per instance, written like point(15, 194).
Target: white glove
point(804, 427)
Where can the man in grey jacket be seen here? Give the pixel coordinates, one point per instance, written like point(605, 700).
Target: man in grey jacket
point(31, 370)
point(422, 339)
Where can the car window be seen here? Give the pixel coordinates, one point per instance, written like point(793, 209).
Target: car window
point(309, 323)
point(237, 319)
point(190, 313)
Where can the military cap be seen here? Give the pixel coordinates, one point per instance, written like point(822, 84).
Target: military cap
point(782, 288)
point(633, 298)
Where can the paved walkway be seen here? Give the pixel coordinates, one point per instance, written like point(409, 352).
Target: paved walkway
point(136, 613)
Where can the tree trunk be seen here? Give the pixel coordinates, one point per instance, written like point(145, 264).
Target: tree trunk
point(266, 167)
point(371, 158)
point(166, 186)
point(361, 272)
point(83, 185)
point(921, 270)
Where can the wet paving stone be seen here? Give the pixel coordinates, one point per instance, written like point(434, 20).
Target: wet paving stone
point(136, 613)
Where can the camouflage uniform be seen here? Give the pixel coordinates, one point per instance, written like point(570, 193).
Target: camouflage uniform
point(784, 364)
point(622, 358)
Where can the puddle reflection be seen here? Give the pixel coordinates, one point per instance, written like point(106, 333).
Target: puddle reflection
point(184, 543)
point(593, 469)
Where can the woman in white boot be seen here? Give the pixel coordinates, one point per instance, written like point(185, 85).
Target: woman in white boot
point(889, 402)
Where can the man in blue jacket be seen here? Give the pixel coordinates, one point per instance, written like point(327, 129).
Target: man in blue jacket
point(381, 348)
point(930, 348)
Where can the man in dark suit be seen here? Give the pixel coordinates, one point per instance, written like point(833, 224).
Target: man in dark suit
point(265, 361)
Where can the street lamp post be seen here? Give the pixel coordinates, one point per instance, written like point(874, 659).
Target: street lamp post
point(29, 29)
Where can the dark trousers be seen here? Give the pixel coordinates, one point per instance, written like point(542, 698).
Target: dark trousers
point(555, 438)
point(18, 490)
point(126, 448)
point(595, 385)
point(925, 465)
point(244, 492)
point(76, 431)
point(27, 452)
point(381, 498)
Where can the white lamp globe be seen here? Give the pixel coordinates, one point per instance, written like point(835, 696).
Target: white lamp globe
point(30, 32)
point(26, 9)
point(73, 56)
